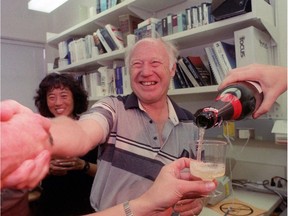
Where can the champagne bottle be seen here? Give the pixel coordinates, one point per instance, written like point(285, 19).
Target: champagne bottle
point(235, 102)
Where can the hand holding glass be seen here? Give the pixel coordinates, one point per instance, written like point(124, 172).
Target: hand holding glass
point(210, 162)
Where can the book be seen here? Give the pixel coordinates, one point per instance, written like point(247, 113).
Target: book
point(148, 21)
point(127, 25)
point(194, 17)
point(181, 21)
point(183, 75)
point(174, 23)
point(116, 35)
point(103, 5)
point(118, 80)
point(214, 64)
point(188, 73)
point(126, 81)
point(169, 24)
point(98, 44)
point(89, 44)
point(252, 46)
point(146, 31)
point(194, 71)
point(103, 41)
point(107, 80)
point(108, 38)
point(205, 74)
point(206, 13)
point(164, 26)
point(188, 18)
point(225, 53)
point(200, 15)
point(179, 77)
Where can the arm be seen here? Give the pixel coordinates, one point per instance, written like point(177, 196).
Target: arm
point(74, 138)
point(273, 81)
point(170, 186)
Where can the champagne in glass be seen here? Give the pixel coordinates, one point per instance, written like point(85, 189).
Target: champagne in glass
point(212, 160)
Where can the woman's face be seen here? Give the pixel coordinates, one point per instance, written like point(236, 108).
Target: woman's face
point(60, 101)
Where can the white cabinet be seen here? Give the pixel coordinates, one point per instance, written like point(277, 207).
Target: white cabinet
point(262, 16)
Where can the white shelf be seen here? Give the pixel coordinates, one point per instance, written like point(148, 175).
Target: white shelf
point(261, 17)
point(111, 16)
point(92, 63)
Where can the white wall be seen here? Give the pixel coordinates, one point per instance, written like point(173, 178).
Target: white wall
point(22, 69)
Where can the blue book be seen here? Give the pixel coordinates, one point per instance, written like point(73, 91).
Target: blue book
point(113, 46)
point(226, 56)
point(118, 80)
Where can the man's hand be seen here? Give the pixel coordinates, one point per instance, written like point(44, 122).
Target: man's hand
point(24, 135)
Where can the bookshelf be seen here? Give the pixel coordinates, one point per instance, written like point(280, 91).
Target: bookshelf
point(262, 16)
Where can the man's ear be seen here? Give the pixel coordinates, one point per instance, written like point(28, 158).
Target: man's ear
point(173, 70)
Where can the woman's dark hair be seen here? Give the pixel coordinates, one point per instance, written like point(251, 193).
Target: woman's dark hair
point(55, 80)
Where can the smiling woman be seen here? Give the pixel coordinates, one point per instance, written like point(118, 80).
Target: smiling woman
point(66, 190)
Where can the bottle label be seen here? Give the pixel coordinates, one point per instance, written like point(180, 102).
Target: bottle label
point(234, 101)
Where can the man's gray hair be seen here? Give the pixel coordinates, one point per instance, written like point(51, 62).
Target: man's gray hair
point(169, 46)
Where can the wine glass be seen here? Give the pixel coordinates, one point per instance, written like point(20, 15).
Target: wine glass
point(209, 161)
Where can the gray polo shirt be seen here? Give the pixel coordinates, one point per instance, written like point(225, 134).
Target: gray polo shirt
point(131, 156)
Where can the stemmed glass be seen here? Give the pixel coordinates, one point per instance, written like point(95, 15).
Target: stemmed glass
point(210, 161)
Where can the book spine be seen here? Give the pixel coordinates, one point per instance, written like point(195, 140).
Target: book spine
point(103, 41)
point(222, 58)
point(169, 24)
point(200, 16)
point(116, 35)
point(98, 43)
point(126, 81)
point(118, 80)
point(188, 18)
point(194, 15)
point(164, 26)
point(108, 39)
point(204, 73)
point(180, 79)
point(214, 64)
point(174, 23)
point(193, 71)
point(103, 5)
point(181, 21)
point(188, 72)
point(187, 81)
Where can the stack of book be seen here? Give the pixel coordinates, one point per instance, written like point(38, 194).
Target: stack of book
point(103, 40)
point(102, 5)
point(107, 81)
point(192, 72)
point(189, 18)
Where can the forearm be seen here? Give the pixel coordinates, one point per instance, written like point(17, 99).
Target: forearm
point(69, 138)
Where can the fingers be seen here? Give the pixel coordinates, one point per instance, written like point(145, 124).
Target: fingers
point(10, 108)
point(29, 173)
point(189, 207)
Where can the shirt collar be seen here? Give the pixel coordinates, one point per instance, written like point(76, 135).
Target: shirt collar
point(176, 113)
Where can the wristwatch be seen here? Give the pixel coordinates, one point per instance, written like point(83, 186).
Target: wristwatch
point(127, 209)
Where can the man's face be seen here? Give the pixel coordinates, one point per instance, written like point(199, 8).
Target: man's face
point(149, 71)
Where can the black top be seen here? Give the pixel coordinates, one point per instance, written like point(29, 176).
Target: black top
point(67, 195)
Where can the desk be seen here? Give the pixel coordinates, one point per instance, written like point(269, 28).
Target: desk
point(264, 201)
